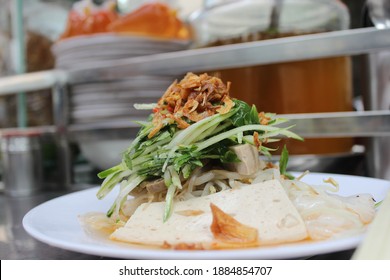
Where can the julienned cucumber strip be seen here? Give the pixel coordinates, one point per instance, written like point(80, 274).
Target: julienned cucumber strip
point(169, 202)
point(227, 134)
point(109, 171)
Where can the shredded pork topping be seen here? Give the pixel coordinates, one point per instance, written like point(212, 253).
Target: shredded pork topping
point(191, 100)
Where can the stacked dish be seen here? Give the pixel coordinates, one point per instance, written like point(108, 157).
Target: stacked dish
point(89, 49)
point(114, 99)
point(110, 101)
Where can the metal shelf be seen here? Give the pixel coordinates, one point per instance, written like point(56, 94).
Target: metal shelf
point(313, 125)
point(337, 43)
point(330, 44)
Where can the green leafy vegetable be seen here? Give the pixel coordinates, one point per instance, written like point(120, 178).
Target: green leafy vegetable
point(244, 114)
point(283, 163)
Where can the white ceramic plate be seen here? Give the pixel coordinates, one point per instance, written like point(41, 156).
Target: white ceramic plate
point(109, 112)
point(115, 97)
point(134, 83)
point(87, 50)
point(55, 222)
point(113, 40)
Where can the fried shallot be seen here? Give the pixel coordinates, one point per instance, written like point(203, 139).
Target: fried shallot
point(192, 99)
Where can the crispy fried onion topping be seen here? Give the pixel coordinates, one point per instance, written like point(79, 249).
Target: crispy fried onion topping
point(191, 100)
point(229, 233)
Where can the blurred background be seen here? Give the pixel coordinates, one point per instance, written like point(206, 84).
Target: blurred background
point(92, 116)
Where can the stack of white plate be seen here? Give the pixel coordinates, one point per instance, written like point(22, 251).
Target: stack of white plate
point(96, 102)
point(84, 50)
point(115, 99)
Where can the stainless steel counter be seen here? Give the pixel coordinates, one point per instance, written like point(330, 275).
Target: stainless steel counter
point(15, 243)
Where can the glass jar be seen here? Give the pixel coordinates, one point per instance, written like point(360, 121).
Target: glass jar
point(318, 85)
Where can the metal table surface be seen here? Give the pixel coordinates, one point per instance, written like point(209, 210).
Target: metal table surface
point(15, 243)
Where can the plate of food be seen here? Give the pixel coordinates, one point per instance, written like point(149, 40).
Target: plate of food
point(196, 183)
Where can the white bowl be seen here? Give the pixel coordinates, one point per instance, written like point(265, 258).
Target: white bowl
point(105, 153)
